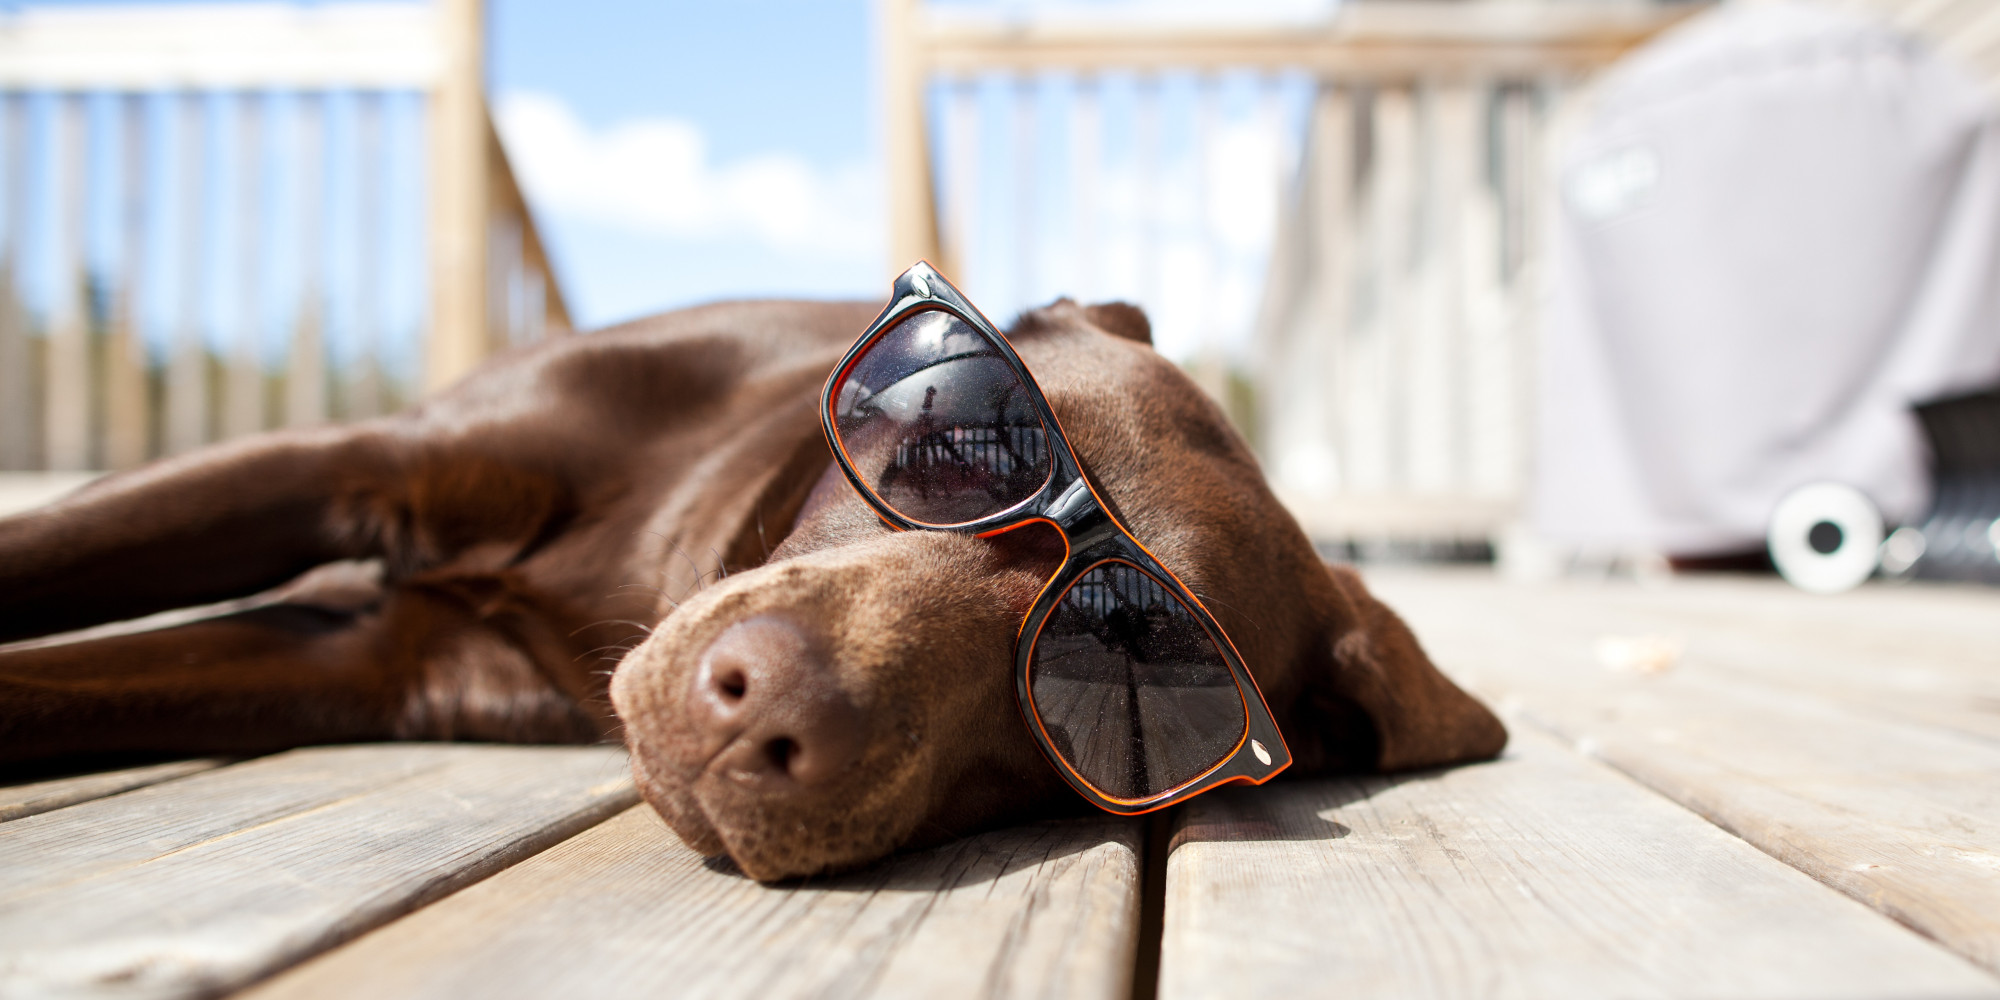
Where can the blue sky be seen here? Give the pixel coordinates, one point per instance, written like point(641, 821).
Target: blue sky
point(757, 79)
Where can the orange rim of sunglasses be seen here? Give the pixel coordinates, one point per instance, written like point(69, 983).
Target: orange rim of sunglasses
point(1068, 502)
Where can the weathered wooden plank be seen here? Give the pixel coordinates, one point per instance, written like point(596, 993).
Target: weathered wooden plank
point(1542, 874)
point(201, 885)
point(1903, 817)
point(32, 797)
point(624, 910)
point(1925, 653)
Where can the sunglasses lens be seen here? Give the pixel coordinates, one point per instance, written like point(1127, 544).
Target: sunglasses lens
point(1130, 688)
point(935, 422)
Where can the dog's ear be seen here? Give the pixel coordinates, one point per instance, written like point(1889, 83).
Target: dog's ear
point(1121, 319)
point(1377, 702)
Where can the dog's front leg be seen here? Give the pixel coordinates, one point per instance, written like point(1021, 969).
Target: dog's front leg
point(223, 522)
point(271, 677)
point(324, 665)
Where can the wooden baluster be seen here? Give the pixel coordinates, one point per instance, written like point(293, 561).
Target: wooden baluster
point(534, 303)
point(1086, 156)
point(503, 263)
point(305, 368)
point(961, 171)
point(366, 397)
point(68, 395)
point(19, 420)
point(1211, 366)
point(1436, 385)
point(187, 362)
point(1279, 328)
point(1331, 269)
point(1372, 464)
point(128, 407)
point(1146, 151)
point(1027, 210)
point(243, 391)
point(1498, 422)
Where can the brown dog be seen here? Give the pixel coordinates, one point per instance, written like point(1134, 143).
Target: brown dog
point(814, 690)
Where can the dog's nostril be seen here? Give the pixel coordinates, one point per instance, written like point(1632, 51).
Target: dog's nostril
point(781, 752)
point(732, 684)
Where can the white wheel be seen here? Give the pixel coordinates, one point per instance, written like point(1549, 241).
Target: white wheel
point(1825, 537)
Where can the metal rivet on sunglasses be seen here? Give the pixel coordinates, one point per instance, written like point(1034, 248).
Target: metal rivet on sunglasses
point(923, 287)
point(1262, 754)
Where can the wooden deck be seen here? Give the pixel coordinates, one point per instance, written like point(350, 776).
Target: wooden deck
point(1717, 787)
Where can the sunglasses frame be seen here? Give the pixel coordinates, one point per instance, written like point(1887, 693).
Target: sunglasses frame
point(1092, 536)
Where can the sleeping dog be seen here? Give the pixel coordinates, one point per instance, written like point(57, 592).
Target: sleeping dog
point(802, 685)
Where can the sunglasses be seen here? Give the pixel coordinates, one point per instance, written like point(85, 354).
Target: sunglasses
point(1128, 685)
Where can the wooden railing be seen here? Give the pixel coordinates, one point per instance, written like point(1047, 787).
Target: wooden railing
point(136, 143)
point(1387, 384)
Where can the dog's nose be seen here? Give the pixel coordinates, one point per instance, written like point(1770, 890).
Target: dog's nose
point(769, 709)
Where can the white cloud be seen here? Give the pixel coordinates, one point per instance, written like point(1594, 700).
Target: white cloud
point(654, 176)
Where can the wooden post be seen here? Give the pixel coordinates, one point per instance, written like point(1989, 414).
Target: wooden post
point(127, 391)
point(18, 418)
point(243, 391)
point(913, 232)
point(458, 198)
point(69, 383)
point(187, 362)
point(305, 369)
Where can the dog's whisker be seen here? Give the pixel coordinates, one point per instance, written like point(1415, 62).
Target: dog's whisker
point(700, 578)
point(620, 647)
point(1206, 599)
point(698, 575)
point(663, 595)
point(643, 628)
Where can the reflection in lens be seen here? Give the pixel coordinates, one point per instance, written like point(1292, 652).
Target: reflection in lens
point(933, 419)
point(1129, 687)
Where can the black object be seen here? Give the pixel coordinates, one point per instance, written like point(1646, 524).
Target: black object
point(1960, 532)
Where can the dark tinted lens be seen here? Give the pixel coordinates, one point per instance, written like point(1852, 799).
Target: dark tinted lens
point(1129, 687)
point(932, 418)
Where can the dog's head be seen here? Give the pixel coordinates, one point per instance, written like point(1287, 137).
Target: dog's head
point(855, 693)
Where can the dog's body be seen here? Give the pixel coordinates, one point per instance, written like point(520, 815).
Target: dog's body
point(819, 689)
